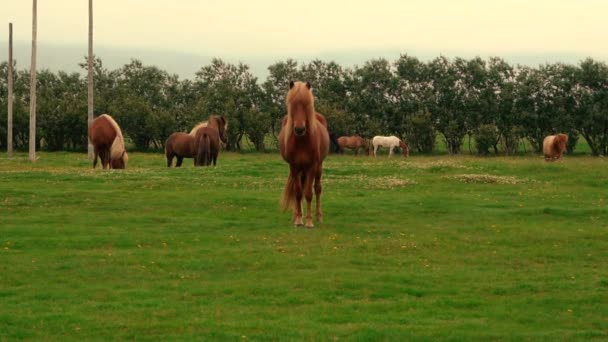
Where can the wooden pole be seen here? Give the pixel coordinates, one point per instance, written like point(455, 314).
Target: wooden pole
point(90, 78)
point(9, 133)
point(32, 154)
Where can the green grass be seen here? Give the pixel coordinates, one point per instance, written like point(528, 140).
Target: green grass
point(423, 248)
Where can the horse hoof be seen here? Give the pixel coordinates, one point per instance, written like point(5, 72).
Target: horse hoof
point(298, 222)
point(309, 224)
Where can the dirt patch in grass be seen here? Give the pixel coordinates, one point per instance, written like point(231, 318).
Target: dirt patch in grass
point(365, 182)
point(487, 179)
point(439, 164)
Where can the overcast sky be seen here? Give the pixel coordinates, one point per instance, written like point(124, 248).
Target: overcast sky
point(289, 27)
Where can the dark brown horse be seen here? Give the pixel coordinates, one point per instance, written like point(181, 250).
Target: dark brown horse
point(354, 143)
point(304, 143)
point(183, 145)
point(108, 143)
point(208, 141)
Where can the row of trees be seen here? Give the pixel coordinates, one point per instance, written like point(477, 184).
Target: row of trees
point(497, 103)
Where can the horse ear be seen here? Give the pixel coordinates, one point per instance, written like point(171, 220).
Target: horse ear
point(308, 85)
point(291, 84)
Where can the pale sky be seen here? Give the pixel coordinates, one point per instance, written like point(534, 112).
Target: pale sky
point(241, 28)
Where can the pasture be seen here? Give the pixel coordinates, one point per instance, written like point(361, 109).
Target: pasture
point(423, 248)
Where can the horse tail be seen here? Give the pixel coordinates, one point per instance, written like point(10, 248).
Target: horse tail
point(288, 199)
point(206, 149)
point(203, 156)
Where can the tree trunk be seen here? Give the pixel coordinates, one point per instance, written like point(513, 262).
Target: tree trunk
point(9, 128)
point(90, 78)
point(32, 150)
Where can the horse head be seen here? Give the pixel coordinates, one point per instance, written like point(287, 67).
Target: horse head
point(220, 123)
point(363, 142)
point(300, 107)
point(404, 148)
point(120, 163)
point(223, 129)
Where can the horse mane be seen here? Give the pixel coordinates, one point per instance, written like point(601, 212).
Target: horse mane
point(117, 150)
point(300, 93)
point(197, 126)
point(560, 142)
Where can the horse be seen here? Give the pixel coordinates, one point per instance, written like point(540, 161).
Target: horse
point(183, 145)
point(108, 143)
point(554, 146)
point(390, 142)
point(353, 143)
point(304, 144)
point(207, 140)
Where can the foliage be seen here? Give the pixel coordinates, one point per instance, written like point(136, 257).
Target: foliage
point(409, 98)
point(421, 134)
point(486, 137)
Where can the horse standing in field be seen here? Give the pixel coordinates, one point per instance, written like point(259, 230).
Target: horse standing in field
point(108, 143)
point(554, 146)
point(183, 145)
point(390, 142)
point(207, 140)
point(353, 143)
point(304, 144)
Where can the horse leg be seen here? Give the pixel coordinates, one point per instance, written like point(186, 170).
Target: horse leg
point(297, 210)
point(169, 159)
point(95, 157)
point(318, 189)
point(375, 150)
point(390, 150)
point(104, 155)
point(308, 194)
point(180, 160)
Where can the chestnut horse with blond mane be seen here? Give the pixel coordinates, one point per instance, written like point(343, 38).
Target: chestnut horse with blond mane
point(354, 143)
point(182, 145)
point(208, 141)
point(304, 144)
point(554, 146)
point(108, 143)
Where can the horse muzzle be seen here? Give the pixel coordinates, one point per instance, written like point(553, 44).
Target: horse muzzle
point(299, 131)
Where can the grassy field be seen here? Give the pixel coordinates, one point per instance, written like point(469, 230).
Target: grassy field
point(423, 248)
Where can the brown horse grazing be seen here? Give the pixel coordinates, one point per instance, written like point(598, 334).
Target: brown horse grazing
point(208, 141)
point(353, 143)
point(108, 143)
point(304, 144)
point(183, 145)
point(554, 146)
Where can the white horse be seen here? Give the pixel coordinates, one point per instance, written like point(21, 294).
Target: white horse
point(390, 143)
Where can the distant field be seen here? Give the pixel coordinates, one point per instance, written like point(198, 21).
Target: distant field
point(423, 248)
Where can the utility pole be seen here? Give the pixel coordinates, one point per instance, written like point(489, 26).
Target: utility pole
point(32, 154)
point(9, 133)
point(90, 78)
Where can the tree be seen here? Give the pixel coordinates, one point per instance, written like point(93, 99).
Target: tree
point(371, 98)
point(275, 89)
point(591, 97)
point(500, 97)
point(229, 90)
point(447, 102)
point(141, 104)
